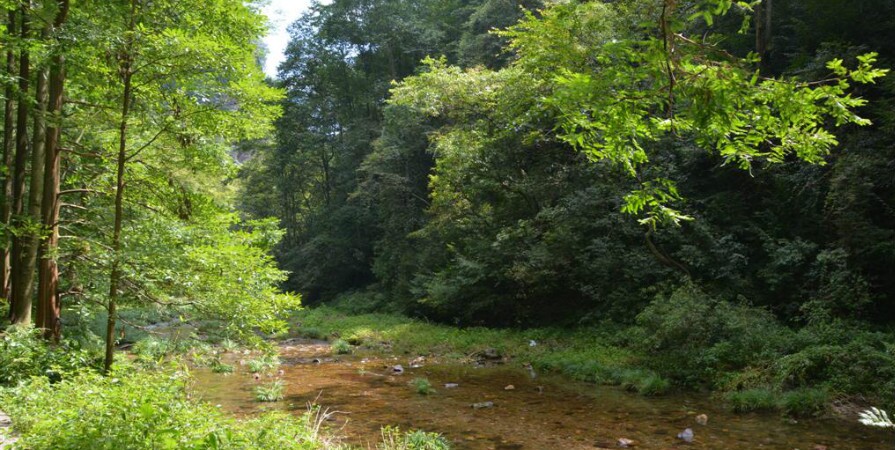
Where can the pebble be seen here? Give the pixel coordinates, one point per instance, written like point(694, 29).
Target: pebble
point(702, 419)
point(509, 387)
point(686, 435)
point(450, 385)
point(483, 405)
point(624, 443)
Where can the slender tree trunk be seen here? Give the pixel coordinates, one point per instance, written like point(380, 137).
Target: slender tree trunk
point(763, 15)
point(48, 271)
point(115, 273)
point(21, 306)
point(8, 151)
point(31, 238)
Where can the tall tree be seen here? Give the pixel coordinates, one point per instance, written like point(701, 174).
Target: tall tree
point(21, 305)
point(49, 305)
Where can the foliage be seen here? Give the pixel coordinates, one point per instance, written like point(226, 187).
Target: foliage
point(393, 439)
point(140, 411)
point(749, 400)
point(341, 347)
point(263, 363)
point(422, 386)
point(876, 417)
point(23, 354)
point(270, 392)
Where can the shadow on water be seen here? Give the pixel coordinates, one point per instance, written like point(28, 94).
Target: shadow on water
point(546, 412)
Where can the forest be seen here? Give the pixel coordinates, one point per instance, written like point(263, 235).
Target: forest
point(664, 198)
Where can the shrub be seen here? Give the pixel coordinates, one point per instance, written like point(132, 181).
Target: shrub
point(140, 411)
point(23, 354)
point(219, 367)
point(153, 349)
point(808, 402)
point(392, 439)
point(341, 347)
point(271, 392)
point(422, 386)
point(752, 400)
point(263, 363)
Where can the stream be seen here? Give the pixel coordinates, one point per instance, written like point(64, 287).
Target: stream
point(540, 412)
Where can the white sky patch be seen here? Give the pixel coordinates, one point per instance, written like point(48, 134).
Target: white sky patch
point(280, 13)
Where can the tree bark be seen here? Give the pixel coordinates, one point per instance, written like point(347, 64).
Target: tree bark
point(48, 271)
point(21, 306)
point(126, 66)
point(8, 151)
point(31, 238)
point(763, 17)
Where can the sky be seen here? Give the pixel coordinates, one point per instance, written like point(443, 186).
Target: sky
point(281, 13)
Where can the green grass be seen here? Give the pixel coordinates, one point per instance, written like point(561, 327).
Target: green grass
point(750, 400)
point(579, 354)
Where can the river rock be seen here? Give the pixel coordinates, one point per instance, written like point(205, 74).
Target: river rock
point(702, 419)
point(483, 405)
point(686, 435)
point(510, 387)
point(625, 443)
point(398, 369)
point(450, 385)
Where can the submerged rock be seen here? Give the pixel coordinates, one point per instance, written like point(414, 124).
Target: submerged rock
point(686, 435)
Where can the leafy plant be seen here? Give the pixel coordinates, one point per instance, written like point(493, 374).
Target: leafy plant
point(875, 417)
point(270, 392)
point(219, 367)
point(393, 439)
point(752, 400)
point(422, 386)
point(341, 347)
point(263, 363)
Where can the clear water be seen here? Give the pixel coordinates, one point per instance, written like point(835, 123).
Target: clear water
point(545, 412)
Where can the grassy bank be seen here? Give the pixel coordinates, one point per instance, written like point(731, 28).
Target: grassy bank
point(587, 355)
point(741, 353)
point(58, 400)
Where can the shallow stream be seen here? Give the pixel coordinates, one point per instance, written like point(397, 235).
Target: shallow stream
point(540, 412)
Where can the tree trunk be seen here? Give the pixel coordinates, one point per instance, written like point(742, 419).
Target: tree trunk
point(47, 288)
point(763, 16)
point(115, 273)
point(21, 306)
point(31, 238)
point(8, 151)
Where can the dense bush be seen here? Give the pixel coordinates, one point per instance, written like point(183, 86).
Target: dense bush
point(698, 340)
point(24, 354)
point(139, 411)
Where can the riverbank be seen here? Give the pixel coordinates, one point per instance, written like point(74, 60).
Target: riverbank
point(606, 355)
